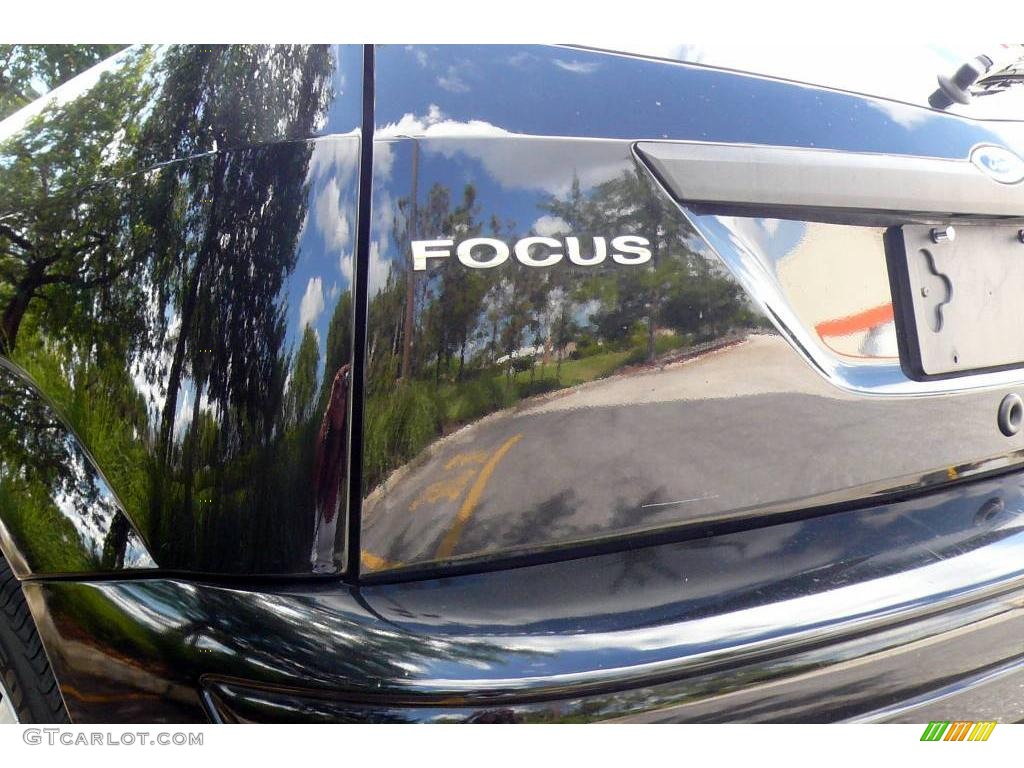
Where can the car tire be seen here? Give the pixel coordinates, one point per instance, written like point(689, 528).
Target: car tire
point(26, 680)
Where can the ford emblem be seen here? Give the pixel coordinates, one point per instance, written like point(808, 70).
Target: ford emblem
point(998, 163)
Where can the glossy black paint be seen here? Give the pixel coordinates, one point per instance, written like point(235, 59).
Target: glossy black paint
point(217, 382)
point(724, 628)
point(466, 450)
point(60, 515)
point(571, 92)
point(571, 398)
point(201, 267)
point(177, 281)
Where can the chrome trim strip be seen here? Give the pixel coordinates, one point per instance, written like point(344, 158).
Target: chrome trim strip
point(753, 271)
point(825, 178)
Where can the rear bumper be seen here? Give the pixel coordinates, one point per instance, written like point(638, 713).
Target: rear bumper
point(972, 672)
point(907, 611)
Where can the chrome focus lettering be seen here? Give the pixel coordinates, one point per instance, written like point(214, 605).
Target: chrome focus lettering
point(470, 258)
point(633, 250)
point(572, 245)
point(522, 250)
point(429, 249)
point(533, 251)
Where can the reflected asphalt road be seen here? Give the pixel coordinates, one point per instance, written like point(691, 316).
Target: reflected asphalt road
point(657, 447)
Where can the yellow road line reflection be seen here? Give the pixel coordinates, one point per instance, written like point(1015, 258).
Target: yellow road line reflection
point(449, 489)
point(463, 459)
point(451, 538)
point(376, 562)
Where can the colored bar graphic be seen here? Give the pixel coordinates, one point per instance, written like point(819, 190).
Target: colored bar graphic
point(958, 730)
point(934, 731)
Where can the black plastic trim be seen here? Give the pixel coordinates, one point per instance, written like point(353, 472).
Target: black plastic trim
point(359, 301)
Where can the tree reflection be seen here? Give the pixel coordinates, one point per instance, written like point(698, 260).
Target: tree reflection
point(62, 224)
point(150, 300)
point(29, 71)
point(462, 343)
point(44, 472)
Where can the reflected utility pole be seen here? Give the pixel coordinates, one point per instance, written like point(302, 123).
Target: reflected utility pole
point(410, 280)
